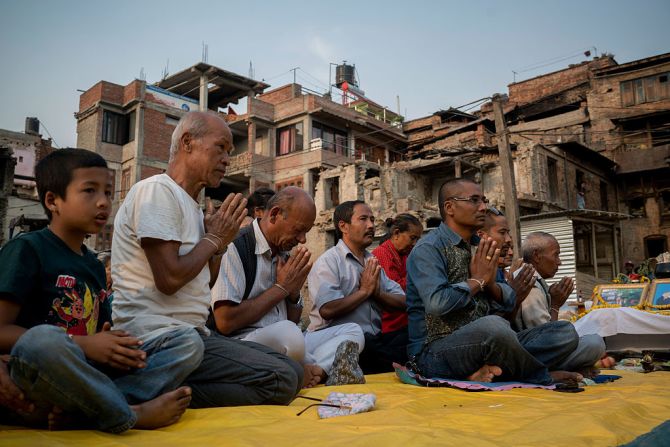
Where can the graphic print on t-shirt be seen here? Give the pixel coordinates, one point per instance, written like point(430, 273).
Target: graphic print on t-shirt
point(78, 308)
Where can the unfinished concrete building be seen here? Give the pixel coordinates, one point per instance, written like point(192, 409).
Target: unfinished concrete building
point(287, 136)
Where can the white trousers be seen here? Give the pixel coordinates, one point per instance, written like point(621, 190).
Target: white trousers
point(316, 347)
point(322, 344)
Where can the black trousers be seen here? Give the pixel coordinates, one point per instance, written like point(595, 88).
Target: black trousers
point(382, 350)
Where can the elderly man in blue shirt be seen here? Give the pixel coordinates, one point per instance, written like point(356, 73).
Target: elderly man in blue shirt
point(348, 285)
point(452, 295)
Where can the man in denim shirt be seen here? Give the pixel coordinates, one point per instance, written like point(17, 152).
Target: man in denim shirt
point(452, 294)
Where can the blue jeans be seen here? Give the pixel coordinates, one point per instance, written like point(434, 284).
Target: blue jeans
point(51, 369)
point(590, 349)
point(527, 356)
point(236, 372)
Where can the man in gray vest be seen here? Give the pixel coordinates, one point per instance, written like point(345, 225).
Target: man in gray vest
point(257, 295)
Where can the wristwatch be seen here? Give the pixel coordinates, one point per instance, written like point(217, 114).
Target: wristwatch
point(297, 304)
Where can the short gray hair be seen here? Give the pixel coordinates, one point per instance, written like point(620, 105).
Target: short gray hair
point(195, 123)
point(535, 241)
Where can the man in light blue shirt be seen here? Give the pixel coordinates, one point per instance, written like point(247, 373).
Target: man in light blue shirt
point(347, 285)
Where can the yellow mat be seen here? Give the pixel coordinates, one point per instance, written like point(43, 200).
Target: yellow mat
point(604, 415)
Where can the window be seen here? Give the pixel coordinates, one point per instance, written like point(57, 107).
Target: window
point(125, 182)
point(664, 205)
point(636, 206)
point(648, 89)
point(113, 171)
point(114, 128)
point(289, 139)
point(604, 199)
point(104, 240)
point(131, 126)
point(20, 158)
point(552, 178)
point(332, 192)
point(171, 120)
point(331, 139)
point(295, 181)
point(655, 245)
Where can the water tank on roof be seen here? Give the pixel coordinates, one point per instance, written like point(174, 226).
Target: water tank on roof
point(345, 73)
point(32, 126)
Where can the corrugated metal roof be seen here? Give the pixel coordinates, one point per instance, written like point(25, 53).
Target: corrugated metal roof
point(561, 228)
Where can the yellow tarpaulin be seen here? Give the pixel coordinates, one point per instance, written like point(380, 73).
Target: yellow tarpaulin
point(604, 415)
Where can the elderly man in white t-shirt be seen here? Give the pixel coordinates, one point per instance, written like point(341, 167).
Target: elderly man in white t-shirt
point(166, 256)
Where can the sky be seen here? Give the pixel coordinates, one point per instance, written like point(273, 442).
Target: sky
point(432, 54)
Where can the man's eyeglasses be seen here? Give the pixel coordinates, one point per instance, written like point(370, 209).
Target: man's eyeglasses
point(475, 200)
point(495, 211)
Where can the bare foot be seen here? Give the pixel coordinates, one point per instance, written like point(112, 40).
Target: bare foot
point(606, 362)
point(162, 411)
point(568, 377)
point(59, 420)
point(314, 375)
point(590, 372)
point(485, 374)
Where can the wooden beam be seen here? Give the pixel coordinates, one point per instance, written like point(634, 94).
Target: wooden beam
point(507, 168)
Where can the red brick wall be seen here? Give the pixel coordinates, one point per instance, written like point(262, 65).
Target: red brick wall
point(148, 171)
point(112, 93)
point(293, 181)
point(157, 135)
point(289, 108)
point(281, 94)
point(541, 86)
point(132, 91)
point(103, 90)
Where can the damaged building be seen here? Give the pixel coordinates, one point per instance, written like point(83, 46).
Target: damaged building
point(589, 144)
point(20, 208)
point(590, 155)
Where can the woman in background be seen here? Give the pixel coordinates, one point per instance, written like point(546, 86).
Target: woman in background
point(404, 231)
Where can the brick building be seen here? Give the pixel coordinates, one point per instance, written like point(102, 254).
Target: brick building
point(131, 126)
point(596, 130)
point(287, 136)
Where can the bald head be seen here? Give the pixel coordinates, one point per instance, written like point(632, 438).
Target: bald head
point(288, 218)
point(292, 199)
point(197, 125)
point(542, 251)
point(536, 242)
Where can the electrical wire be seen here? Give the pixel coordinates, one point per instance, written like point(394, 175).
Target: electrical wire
point(50, 136)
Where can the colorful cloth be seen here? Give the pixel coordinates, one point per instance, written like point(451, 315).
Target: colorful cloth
point(350, 403)
point(407, 376)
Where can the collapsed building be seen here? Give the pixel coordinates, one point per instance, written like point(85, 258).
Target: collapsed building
point(20, 208)
point(590, 154)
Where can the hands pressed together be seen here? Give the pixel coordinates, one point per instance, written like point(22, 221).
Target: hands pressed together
point(484, 263)
point(369, 283)
point(224, 223)
point(292, 273)
point(560, 292)
point(523, 282)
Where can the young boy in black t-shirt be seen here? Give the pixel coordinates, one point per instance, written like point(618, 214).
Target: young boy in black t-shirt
point(55, 318)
